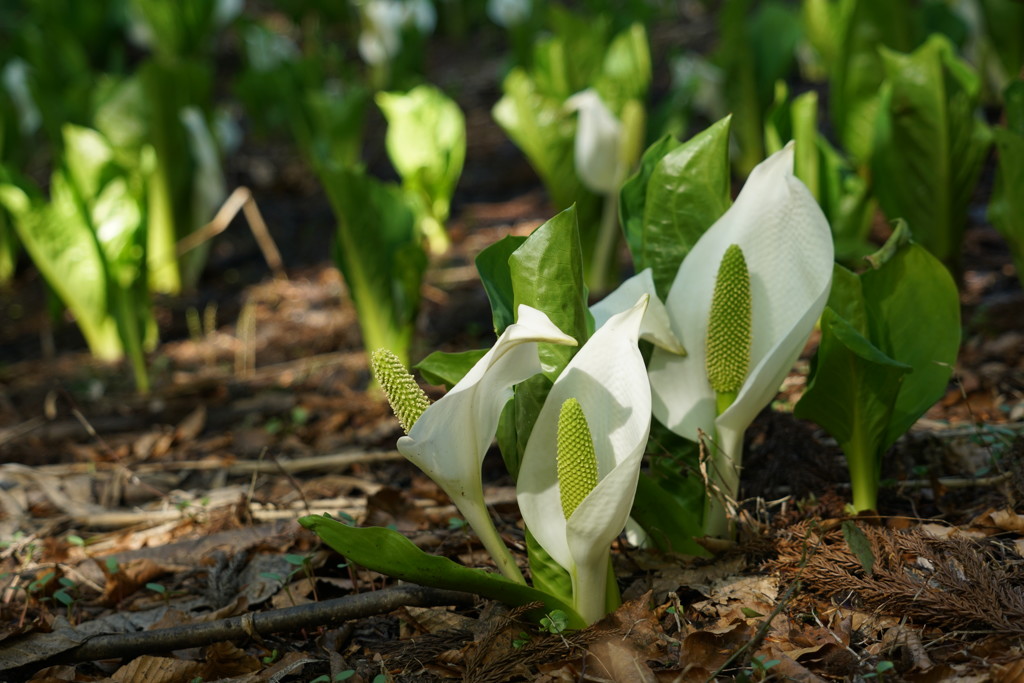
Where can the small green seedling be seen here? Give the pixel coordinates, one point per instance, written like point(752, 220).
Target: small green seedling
point(555, 622)
point(881, 669)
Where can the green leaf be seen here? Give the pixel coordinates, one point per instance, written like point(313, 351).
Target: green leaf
point(847, 299)
point(426, 142)
point(875, 374)
point(448, 368)
point(670, 522)
point(911, 293)
point(86, 241)
point(797, 120)
point(859, 545)
point(847, 202)
point(851, 395)
point(177, 199)
point(540, 126)
point(391, 553)
point(492, 264)
point(547, 274)
point(546, 574)
point(625, 72)
point(848, 34)
point(328, 124)
point(679, 192)
point(379, 254)
point(929, 144)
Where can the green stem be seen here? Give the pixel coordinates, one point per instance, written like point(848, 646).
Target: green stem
point(128, 319)
point(603, 258)
point(475, 511)
point(590, 586)
point(724, 474)
point(863, 464)
point(161, 240)
point(437, 237)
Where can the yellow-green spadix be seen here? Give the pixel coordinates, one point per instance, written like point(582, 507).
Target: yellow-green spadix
point(449, 440)
point(787, 247)
point(608, 382)
point(727, 345)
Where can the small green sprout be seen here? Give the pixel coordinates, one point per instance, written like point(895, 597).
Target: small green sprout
point(555, 622)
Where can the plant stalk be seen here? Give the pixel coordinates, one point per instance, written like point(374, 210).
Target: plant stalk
point(474, 510)
point(724, 479)
point(863, 464)
point(603, 258)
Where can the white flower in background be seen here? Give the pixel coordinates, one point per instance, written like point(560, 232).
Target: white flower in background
point(598, 149)
point(508, 13)
point(15, 80)
point(383, 22)
point(778, 235)
point(579, 472)
point(448, 440)
point(381, 37)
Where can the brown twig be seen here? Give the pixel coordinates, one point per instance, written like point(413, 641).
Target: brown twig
point(327, 613)
point(239, 200)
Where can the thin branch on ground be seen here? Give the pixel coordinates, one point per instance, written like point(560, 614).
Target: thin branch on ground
point(257, 624)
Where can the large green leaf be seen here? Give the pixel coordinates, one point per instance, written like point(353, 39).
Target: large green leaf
point(858, 28)
point(875, 373)
point(63, 247)
point(544, 130)
point(684, 191)
point(547, 274)
point(626, 70)
point(87, 242)
point(379, 254)
point(177, 199)
point(854, 387)
point(910, 293)
point(391, 553)
point(929, 144)
point(492, 264)
point(852, 395)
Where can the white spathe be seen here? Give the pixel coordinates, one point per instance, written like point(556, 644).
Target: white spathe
point(451, 437)
point(788, 248)
point(598, 145)
point(656, 326)
point(608, 378)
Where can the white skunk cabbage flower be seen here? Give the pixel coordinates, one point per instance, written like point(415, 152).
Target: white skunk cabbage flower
point(656, 326)
point(381, 37)
point(777, 230)
point(448, 439)
point(598, 150)
point(577, 502)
